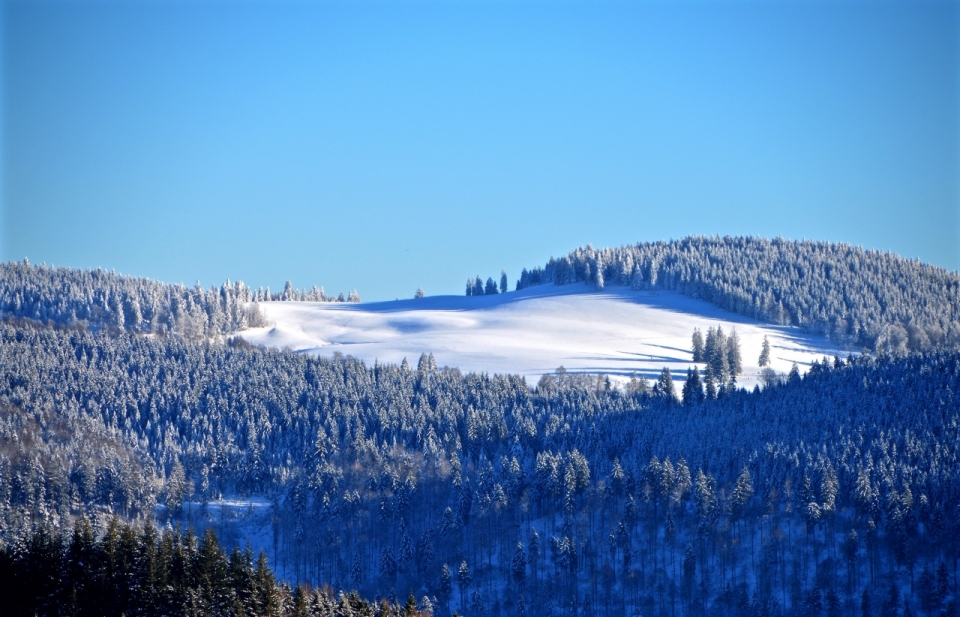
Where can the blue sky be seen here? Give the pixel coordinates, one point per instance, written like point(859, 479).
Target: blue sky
point(388, 145)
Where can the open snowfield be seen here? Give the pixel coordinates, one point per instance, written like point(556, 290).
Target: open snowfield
point(532, 332)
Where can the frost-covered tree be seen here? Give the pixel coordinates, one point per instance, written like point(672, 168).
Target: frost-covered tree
point(697, 346)
point(764, 359)
point(664, 387)
point(692, 391)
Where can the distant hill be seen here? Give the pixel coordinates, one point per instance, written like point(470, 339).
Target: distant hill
point(100, 299)
point(869, 299)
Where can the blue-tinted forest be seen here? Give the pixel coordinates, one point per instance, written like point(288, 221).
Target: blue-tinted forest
point(832, 493)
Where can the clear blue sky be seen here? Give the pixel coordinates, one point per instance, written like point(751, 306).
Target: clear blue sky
point(386, 145)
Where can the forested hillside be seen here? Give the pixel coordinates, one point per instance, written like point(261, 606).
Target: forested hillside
point(100, 299)
point(868, 299)
point(815, 496)
point(125, 570)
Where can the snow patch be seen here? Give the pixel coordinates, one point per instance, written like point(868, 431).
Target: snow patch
point(530, 332)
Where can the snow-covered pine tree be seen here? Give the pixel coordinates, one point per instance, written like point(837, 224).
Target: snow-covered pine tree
point(697, 345)
point(764, 359)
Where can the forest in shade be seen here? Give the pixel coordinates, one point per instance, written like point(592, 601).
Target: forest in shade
point(144, 571)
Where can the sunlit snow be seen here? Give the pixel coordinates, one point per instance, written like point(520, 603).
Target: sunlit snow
point(531, 332)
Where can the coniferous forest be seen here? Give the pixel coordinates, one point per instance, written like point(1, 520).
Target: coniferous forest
point(397, 489)
point(868, 299)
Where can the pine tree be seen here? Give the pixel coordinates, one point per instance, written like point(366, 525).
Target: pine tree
point(504, 285)
point(388, 564)
point(692, 388)
point(637, 385)
point(710, 383)
point(794, 376)
point(715, 354)
point(214, 574)
point(301, 605)
point(664, 387)
point(764, 353)
point(446, 584)
point(419, 293)
point(176, 487)
point(742, 493)
point(519, 565)
point(734, 358)
point(491, 287)
point(464, 579)
point(410, 608)
point(697, 343)
point(266, 599)
point(356, 572)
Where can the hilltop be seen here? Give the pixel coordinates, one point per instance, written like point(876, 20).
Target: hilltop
point(617, 332)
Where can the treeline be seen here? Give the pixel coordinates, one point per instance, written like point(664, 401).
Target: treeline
point(868, 299)
point(100, 299)
point(829, 490)
point(127, 570)
point(476, 286)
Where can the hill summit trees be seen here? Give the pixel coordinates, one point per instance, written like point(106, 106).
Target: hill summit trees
point(476, 286)
point(868, 299)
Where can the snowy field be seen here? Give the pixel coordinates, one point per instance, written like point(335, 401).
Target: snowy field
point(533, 331)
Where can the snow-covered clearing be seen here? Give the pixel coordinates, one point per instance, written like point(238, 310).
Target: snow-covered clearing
point(533, 331)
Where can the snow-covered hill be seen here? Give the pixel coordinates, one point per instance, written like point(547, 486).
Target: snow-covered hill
point(532, 332)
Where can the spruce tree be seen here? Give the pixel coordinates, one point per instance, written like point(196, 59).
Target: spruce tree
point(464, 579)
point(519, 565)
point(697, 343)
point(664, 387)
point(794, 375)
point(764, 353)
point(445, 589)
point(692, 388)
point(710, 383)
point(734, 358)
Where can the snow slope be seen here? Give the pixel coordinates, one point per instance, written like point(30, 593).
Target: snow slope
point(532, 332)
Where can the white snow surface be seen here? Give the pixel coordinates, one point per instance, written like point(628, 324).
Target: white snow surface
point(534, 331)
